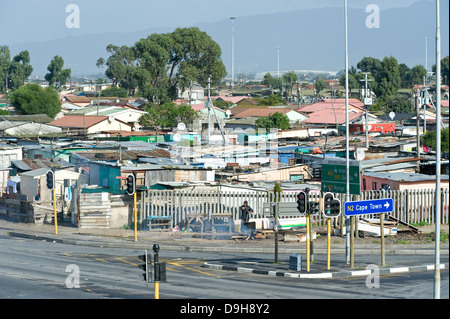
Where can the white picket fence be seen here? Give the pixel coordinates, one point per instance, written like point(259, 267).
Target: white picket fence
point(410, 206)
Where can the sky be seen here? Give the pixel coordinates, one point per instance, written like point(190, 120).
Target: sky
point(31, 20)
point(43, 27)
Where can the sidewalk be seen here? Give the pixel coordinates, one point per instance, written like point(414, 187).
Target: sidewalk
point(179, 241)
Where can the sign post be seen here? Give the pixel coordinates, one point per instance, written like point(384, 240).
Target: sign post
point(331, 209)
point(375, 206)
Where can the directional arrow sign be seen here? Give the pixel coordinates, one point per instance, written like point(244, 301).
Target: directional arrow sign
point(375, 206)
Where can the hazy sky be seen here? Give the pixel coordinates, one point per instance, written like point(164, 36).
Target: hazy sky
point(27, 20)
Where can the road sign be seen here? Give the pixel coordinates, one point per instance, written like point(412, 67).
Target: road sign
point(334, 178)
point(375, 206)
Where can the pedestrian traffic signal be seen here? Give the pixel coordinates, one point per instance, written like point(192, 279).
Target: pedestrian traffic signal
point(331, 206)
point(50, 176)
point(301, 202)
point(146, 266)
point(314, 208)
point(131, 184)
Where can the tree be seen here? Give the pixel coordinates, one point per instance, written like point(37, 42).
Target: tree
point(57, 76)
point(271, 100)
point(388, 79)
point(398, 104)
point(114, 91)
point(429, 139)
point(289, 79)
point(270, 81)
point(156, 65)
point(371, 65)
point(275, 120)
point(32, 99)
point(416, 75)
point(444, 70)
point(167, 115)
point(319, 85)
point(13, 73)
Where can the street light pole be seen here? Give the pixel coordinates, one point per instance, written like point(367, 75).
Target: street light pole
point(347, 153)
point(232, 52)
point(437, 220)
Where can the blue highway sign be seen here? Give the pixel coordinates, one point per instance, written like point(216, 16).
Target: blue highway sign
point(375, 206)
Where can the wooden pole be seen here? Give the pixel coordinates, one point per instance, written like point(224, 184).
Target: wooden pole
point(352, 242)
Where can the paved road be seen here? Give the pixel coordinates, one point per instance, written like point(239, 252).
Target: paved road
point(38, 269)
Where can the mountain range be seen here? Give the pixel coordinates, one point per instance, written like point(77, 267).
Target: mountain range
point(311, 39)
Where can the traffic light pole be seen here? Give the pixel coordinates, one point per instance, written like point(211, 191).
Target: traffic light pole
point(307, 243)
point(328, 243)
point(276, 208)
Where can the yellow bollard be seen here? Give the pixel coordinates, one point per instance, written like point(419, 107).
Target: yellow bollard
point(328, 242)
point(156, 289)
point(307, 242)
point(135, 218)
point(54, 211)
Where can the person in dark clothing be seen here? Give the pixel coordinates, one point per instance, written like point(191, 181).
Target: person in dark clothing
point(245, 212)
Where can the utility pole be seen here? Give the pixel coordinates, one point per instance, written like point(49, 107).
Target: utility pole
point(278, 61)
point(209, 110)
point(437, 220)
point(232, 52)
point(347, 153)
point(367, 104)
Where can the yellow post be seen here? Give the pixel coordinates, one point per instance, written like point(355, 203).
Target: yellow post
point(156, 289)
point(54, 211)
point(328, 242)
point(307, 243)
point(135, 218)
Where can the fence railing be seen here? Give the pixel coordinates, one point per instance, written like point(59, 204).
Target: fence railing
point(410, 206)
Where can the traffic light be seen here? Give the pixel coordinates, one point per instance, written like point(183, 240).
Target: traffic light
point(301, 202)
point(131, 184)
point(314, 208)
point(332, 206)
point(327, 199)
point(335, 207)
point(50, 179)
point(160, 272)
point(146, 266)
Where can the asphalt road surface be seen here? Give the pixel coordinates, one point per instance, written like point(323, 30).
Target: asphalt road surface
point(31, 269)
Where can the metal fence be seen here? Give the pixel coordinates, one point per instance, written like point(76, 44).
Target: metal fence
point(410, 206)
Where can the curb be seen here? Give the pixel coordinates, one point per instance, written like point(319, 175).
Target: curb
point(258, 250)
point(324, 275)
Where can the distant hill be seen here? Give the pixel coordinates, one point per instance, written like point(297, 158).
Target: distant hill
point(308, 39)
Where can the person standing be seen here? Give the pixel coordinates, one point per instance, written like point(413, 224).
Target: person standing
point(245, 212)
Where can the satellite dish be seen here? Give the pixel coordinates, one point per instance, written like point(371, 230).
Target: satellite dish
point(177, 137)
point(392, 115)
point(181, 126)
point(228, 113)
point(111, 118)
